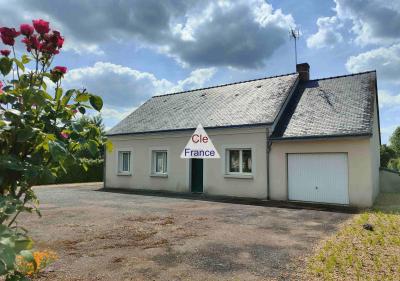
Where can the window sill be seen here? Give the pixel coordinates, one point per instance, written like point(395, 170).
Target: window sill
point(238, 176)
point(124, 174)
point(159, 175)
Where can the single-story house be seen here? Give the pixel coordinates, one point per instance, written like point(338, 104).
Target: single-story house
point(283, 138)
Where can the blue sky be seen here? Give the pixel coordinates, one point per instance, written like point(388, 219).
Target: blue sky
point(127, 51)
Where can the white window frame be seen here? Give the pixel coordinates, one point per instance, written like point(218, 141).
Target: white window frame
point(226, 151)
point(118, 153)
point(153, 152)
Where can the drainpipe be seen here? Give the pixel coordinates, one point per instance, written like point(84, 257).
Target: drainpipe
point(269, 143)
point(104, 166)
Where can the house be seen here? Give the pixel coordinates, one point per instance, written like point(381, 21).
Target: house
point(283, 138)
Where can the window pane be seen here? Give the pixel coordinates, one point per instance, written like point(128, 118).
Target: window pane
point(246, 161)
point(234, 161)
point(125, 162)
point(124, 159)
point(161, 162)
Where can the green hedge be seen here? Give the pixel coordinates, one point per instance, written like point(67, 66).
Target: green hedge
point(76, 173)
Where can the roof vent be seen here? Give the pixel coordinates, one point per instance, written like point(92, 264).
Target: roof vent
point(258, 86)
point(236, 95)
point(202, 95)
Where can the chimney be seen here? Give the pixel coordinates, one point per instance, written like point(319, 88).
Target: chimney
point(303, 69)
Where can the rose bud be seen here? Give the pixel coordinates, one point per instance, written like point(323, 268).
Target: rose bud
point(5, 52)
point(60, 69)
point(64, 135)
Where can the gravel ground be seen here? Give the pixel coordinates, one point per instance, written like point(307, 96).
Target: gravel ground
point(112, 236)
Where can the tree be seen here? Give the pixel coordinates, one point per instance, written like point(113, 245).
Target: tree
point(387, 153)
point(395, 141)
point(39, 131)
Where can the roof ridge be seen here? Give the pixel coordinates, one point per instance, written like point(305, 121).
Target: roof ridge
point(340, 76)
point(223, 85)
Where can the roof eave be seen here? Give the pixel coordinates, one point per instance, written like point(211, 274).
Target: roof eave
point(192, 129)
point(321, 137)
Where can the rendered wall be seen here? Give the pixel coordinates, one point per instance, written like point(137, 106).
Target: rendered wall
point(361, 185)
point(178, 180)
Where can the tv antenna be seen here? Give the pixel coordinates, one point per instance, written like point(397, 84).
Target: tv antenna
point(294, 33)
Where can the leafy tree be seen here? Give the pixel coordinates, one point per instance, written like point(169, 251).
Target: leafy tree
point(395, 141)
point(39, 132)
point(387, 153)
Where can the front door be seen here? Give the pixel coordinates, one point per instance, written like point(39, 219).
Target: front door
point(197, 175)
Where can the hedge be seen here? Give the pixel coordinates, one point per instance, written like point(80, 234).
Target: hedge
point(77, 173)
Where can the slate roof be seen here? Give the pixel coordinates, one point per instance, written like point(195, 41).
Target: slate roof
point(337, 106)
point(252, 102)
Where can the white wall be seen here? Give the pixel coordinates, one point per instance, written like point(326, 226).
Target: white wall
point(178, 178)
point(361, 186)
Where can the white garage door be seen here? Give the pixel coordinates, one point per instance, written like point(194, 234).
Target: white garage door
point(318, 177)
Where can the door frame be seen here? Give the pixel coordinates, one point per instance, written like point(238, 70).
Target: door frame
point(319, 152)
point(190, 175)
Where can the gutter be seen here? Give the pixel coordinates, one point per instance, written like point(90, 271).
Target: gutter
point(317, 137)
point(192, 129)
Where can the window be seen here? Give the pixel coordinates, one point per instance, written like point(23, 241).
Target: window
point(239, 161)
point(159, 164)
point(124, 162)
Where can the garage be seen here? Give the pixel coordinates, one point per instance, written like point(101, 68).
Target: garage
point(319, 177)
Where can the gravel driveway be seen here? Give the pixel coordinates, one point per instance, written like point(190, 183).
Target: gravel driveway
point(112, 236)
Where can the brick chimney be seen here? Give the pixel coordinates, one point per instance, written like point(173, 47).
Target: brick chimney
point(303, 69)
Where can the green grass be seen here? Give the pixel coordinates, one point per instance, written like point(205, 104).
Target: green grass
point(354, 253)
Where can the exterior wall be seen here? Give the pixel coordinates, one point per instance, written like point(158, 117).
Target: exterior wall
point(361, 185)
point(178, 180)
point(389, 181)
point(375, 153)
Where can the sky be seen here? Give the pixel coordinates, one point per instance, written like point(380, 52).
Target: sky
point(129, 50)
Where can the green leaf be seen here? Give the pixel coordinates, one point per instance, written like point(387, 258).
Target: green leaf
point(67, 97)
point(44, 85)
point(27, 255)
point(82, 97)
point(96, 102)
point(82, 110)
point(24, 134)
point(92, 146)
point(59, 92)
point(19, 64)
point(23, 244)
point(25, 59)
point(7, 258)
point(5, 65)
point(109, 146)
point(57, 150)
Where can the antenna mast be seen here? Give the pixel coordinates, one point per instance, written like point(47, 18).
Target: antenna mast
point(294, 34)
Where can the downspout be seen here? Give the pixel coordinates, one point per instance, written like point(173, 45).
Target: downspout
point(269, 143)
point(104, 166)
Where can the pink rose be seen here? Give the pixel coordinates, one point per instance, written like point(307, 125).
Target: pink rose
point(41, 26)
point(5, 52)
point(60, 69)
point(26, 29)
point(8, 35)
point(1, 87)
point(64, 135)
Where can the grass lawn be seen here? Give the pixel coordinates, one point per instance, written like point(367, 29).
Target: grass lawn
point(354, 253)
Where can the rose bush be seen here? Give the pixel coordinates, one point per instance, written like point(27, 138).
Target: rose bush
point(39, 132)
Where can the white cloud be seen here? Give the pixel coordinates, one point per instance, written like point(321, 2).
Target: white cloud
point(386, 60)
point(123, 89)
point(387, 100)
point(373, 21)
point(327, 34)
point(240, 33)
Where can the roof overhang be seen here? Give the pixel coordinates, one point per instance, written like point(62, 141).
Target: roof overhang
point(192, 129)
point(327, 137)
